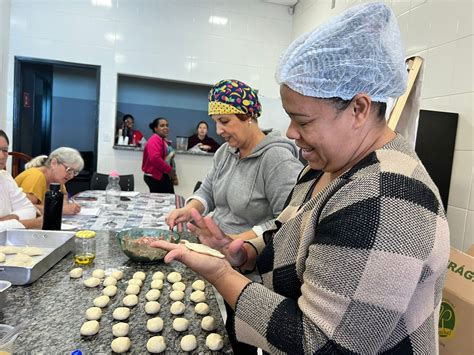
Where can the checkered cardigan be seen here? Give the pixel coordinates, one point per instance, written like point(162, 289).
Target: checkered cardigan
point(359, 268)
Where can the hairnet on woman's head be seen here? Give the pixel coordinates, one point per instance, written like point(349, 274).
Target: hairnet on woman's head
point(358, 51)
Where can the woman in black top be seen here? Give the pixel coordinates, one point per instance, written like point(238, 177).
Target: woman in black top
point(201, 139)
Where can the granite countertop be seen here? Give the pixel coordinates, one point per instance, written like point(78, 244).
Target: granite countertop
point(54, 307)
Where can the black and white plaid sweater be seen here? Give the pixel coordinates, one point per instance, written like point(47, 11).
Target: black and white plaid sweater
point(359, 268)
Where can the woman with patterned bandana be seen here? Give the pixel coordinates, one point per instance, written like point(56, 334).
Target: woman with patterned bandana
point(358, 260)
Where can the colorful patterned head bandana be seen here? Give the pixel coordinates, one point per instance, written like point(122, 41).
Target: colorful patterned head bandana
point(234, 97)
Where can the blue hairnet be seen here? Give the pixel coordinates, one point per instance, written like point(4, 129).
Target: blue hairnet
point(358, 51)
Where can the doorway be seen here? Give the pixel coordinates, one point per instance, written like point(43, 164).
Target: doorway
point(56, 104)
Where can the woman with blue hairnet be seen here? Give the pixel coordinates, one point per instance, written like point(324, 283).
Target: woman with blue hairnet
point(358, 261)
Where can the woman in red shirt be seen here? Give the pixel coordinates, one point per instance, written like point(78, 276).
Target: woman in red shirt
point(157, 163)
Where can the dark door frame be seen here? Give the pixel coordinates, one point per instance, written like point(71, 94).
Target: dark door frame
point(17, 95)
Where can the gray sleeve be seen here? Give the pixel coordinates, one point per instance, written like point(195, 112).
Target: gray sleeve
point(281, 170)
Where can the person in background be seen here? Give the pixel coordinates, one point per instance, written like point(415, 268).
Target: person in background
point(134, 135)
point(357, 261)
point(158, 159)
point(201, 139)
point(16, 211)
point(252, 173)
point(62, 165)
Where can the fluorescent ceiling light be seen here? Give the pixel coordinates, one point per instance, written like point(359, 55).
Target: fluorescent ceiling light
point(103, 3)
point(218, 20)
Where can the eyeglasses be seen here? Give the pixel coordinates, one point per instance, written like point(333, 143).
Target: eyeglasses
point(70, 171)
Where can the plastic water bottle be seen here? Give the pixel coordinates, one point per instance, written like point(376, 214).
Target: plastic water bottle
point(112, 191)
point(53, 208)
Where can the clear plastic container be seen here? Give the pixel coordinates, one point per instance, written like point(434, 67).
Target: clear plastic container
point(9, 346)
point(85, 247)
point(113, 190)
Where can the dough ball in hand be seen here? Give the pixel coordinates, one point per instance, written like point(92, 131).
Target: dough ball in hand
point(121, 344)
point(90, 328)
point(156, 345)
point(188, 343)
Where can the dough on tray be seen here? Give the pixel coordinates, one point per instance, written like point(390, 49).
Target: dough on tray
point(110, 281)
point(177, 307)
point(179, 286)
point(152, 307)
point(120, 329)
point(90, 327)
point(156, 344)
point(140, 275)
point(101, 301)
point(130, 300)
point(32, 251)
point(180, 324)
point(137, 282)
point(174, 277)
point(121, 313)
point(176, 295)
point(132, 290)
point(202, 308)
point(188, 342)
point(76, 273)
point(99, 273)
point(93, 313)
point(2, 257)
point(92, 282)
point(121, 344)
point(214, 341)
point(153, 295)
point(20, 260)
point(198, 285)
point(117, 274)
point(110, 291)
point(157, 284)
point(208, 323)
point(158, 276)
point(154, 325)
point(197, 296)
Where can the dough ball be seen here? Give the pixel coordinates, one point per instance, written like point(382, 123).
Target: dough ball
point(99, 273)
point(174, 277)
point(179, 286)
point(154, 325)
point(93, 313)
point(130, 300)
point(110, 291)
point(74, 273)
point(153, 295)
point(157, 284)
point(156, 344)
point(117, 275)
point(121, 313)
point(101, 301)
point(176, 295)
point(180, 324)
point(214, 341)
point(201, 308)
point(132, 290)
point(188, 342)
point(109, 281)
point(140, 275)
point(152, 307)
point(198, 296)
point(198, 285)
point(208, 323)
point(92, 282)
point(177, 308)
point(90, 328)
point(32, 251)
point(120, 329)
point(137, 282)
point(121, 344)
point(158, 276)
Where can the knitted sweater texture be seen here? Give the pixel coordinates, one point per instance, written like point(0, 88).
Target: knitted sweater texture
point(358, 268)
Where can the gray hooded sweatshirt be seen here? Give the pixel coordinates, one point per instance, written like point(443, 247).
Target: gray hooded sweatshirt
point(250, 192)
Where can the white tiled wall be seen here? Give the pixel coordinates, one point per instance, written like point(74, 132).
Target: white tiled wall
point(167, 39)
point(4, 33)
point(440, 31)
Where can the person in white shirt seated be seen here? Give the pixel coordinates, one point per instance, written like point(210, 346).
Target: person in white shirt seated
point(16, 211)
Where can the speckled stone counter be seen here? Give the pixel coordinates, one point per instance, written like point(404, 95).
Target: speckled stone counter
point(54, 307)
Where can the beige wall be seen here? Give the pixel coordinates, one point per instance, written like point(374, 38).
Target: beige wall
point(4, 33)
point(442, 33)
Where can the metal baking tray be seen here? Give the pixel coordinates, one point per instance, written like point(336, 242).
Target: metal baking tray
point(55, 245)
